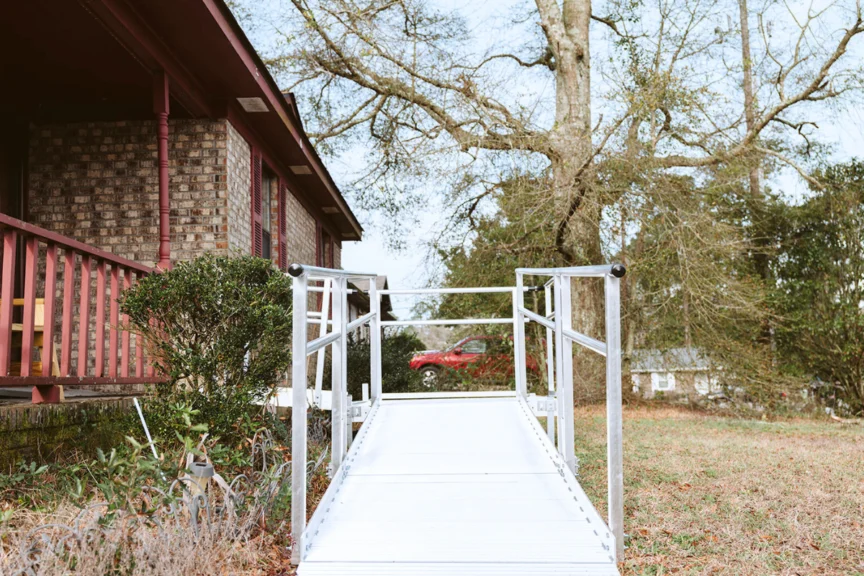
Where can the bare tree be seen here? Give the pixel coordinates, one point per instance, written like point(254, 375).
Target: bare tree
point(409, 81)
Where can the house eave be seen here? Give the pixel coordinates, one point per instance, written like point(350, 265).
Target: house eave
point(286, 111)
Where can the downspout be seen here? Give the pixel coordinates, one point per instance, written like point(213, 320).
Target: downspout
point(160, 109)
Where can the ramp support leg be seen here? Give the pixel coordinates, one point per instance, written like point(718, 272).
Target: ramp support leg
point(550, 363)
point(564, 369)
point(519, 344)
point(319, 366)
point(375, 340)
point(339, 373)
point(614, 425)
point(298, 416)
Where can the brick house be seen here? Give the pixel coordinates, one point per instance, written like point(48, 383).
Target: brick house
point(138, 133)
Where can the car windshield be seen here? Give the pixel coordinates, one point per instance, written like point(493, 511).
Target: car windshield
point(457, 344)
point(474, 345)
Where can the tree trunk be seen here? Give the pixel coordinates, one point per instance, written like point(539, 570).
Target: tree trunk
point(631, 314)
point(685, 297)
point(583, 243)
point(747, 86)
point(757, 198)
point(579, 207)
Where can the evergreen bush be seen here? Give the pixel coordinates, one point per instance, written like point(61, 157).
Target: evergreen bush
point(219, 329)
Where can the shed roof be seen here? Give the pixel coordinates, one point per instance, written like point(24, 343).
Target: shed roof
point(670, 360)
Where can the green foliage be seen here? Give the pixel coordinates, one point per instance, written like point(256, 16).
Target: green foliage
point(820, 288)
point(397, 348)
point(691, 280)
point(22, 480)
point(508, 238)
point(219, 329)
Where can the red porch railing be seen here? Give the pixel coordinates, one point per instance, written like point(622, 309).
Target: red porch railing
point(28, 324)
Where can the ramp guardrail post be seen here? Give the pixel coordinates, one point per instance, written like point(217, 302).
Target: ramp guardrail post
point(519, 344)
point(338, 372)
point(298, 410)
point(319, 361)
point(614, 425)
point(564, 369)
point(550, 360)
point(375, 339)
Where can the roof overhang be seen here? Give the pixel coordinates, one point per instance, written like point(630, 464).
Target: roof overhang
point(95, 59)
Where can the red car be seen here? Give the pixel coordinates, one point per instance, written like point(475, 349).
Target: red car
point(478, 356)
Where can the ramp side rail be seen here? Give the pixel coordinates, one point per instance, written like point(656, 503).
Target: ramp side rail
point(560, 337)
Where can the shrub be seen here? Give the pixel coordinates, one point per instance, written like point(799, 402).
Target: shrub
point(397, 348)
point(219, 329)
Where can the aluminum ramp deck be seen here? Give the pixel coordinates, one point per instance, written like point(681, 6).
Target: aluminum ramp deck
point(456, 487)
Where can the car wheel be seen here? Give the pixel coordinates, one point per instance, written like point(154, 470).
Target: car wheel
point(429, 375)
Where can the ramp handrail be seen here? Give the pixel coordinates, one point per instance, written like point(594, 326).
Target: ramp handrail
point(558, 327)
point(335, 284)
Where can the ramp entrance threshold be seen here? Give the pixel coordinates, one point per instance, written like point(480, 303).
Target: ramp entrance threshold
point(457, 486)
point(455, 483)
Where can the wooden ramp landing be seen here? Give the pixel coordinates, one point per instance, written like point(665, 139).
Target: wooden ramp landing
point(455, 487)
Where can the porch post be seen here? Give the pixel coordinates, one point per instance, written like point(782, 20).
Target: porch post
point(160, 108)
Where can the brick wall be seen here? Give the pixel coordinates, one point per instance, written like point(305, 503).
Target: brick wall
point(98, 183)
point(301, 233)
point(200, 214)
point(239, 202)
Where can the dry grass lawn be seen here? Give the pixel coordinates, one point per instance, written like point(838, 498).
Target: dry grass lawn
point(712, 495)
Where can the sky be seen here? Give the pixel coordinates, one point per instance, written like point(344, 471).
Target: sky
point(404, 269)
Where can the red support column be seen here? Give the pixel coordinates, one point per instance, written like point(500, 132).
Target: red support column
point(160, 108)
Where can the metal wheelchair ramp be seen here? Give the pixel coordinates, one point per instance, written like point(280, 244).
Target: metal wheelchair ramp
point(455, 486)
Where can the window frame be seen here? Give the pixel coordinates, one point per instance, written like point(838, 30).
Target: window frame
point(668, 378)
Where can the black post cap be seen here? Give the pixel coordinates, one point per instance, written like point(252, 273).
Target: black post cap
point(618, 270)
point(295, 270)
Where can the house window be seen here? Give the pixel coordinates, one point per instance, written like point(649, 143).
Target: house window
point(268, 185)
point(662, 381)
